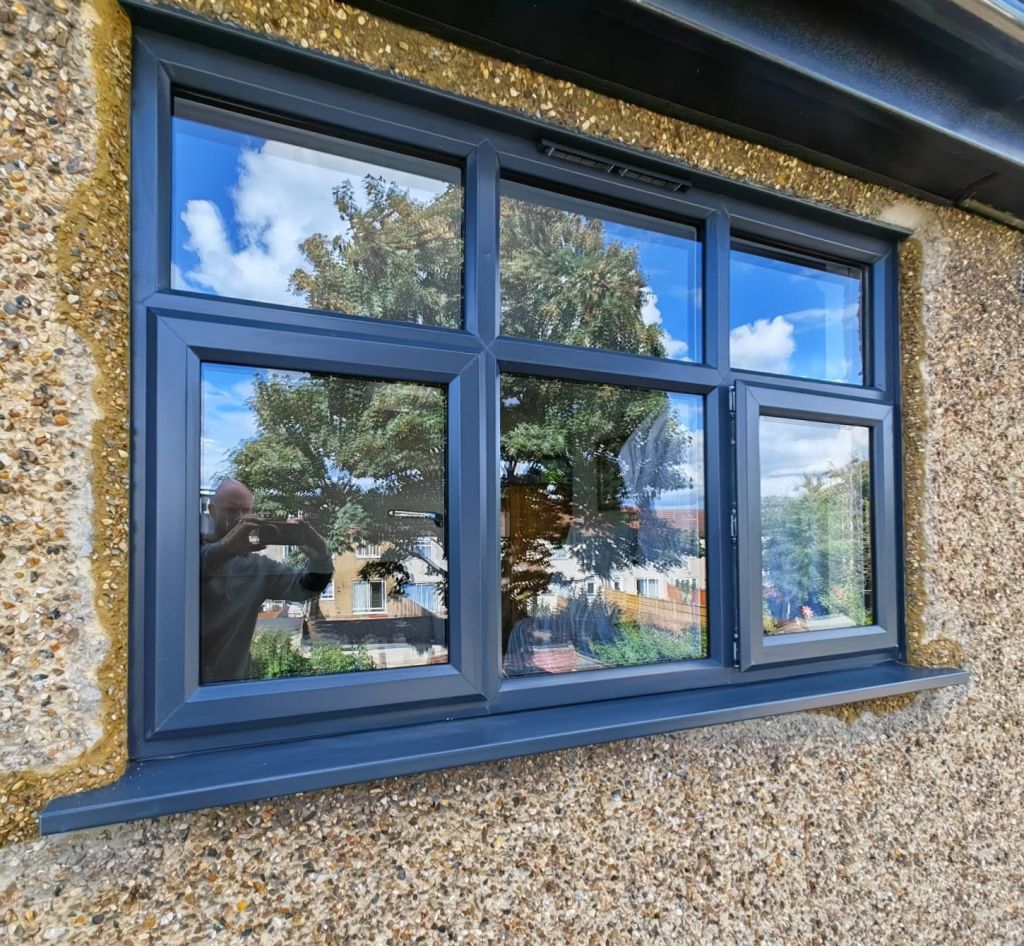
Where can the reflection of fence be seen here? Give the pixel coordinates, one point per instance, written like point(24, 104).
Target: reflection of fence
point(397, 606)
point(666, 615)
point(400, 606)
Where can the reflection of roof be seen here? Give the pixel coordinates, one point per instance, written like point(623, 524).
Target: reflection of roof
point(684, 518)
point(688, 519)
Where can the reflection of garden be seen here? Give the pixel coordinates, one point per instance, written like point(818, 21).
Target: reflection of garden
point(590, 632)
point(585, 468)
point(816, 553)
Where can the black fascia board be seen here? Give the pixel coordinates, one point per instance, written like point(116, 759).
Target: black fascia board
point(636, 51)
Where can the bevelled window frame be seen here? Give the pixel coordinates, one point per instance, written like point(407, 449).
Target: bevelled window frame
point(193, 745)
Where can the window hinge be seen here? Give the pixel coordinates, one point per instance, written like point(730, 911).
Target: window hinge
point(733, 525)
point(732, 415)
point(735, 650)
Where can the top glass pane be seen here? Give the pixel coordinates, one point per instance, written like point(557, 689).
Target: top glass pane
point(275, 214)
point(580, 274)
point(795, 316)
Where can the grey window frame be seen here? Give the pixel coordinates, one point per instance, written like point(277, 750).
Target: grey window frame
point(191, 746)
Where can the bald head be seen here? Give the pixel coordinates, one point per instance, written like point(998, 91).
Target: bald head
point(231, 502)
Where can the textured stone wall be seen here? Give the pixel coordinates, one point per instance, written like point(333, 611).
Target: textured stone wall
point(897, 822)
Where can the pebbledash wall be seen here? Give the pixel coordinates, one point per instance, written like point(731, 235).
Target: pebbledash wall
point(896, 822)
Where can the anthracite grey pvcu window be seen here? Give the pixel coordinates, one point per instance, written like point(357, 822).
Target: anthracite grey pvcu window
point(460, 437)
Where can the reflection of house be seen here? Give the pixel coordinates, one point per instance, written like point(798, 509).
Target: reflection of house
point(363, 604)
point(351, 595)
point(365, 609)
point(398, 628)
point(672, 596)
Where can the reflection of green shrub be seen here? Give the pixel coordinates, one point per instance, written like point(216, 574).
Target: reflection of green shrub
point(325, 658)
point(271, 654)
point(643, 644)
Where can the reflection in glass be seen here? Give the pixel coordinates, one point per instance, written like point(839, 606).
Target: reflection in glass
point(793, 315)
point(577, 274)
point(322, 519)
point(602, 526)
point(815, 525)
point(338, 226)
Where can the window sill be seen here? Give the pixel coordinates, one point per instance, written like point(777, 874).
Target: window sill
point(184, 783)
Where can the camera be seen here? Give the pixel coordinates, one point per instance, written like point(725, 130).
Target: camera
point(278, 533)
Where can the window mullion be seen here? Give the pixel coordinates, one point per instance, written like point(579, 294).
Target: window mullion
point(717, 240)
point(481, 289)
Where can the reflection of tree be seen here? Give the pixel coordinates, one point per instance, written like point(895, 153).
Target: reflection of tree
point(559, 440)
point(816, 547)
point(582, 464)
point(342, 453)
point(561, 282)
point(398, 258)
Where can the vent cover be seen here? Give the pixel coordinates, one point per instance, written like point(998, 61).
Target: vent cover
point(594, 163)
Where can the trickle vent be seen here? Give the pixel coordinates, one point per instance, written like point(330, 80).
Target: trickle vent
point(594, 163)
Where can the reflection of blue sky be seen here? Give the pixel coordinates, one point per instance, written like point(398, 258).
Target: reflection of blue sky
point(671, 269)
point(792, 319)
point(205, 164)
point(242, 205)
point(227, 419)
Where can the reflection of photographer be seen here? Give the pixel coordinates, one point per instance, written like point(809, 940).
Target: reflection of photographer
point(236, 580)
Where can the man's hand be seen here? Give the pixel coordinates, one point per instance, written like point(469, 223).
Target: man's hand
point(313, 545)
point(239, 541)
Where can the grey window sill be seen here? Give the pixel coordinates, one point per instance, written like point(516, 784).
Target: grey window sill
point(202, 780)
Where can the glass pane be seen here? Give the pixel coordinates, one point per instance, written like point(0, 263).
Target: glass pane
point(602, 526)
point(815, 526)
point(326, 224)
point(791, 315)
point(581, 274)
point(317, 492)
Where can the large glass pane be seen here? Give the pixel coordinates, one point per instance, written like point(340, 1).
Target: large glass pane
point(602, 526)
point(322, 504)
point(793, 315)
point(815, 525)
point(294, 218)
point(580, 274)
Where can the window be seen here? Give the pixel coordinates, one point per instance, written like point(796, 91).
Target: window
point(647, 587)
point(368, 597)
point(795, 314)
point(424, 546)
point(533, 437)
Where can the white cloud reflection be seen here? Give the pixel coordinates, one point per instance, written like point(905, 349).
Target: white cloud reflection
point(791, 450)
point(282, 196)
point(763, 346)
point(651, 315)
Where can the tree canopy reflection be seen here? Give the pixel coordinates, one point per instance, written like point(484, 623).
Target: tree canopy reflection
point(584, 467)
